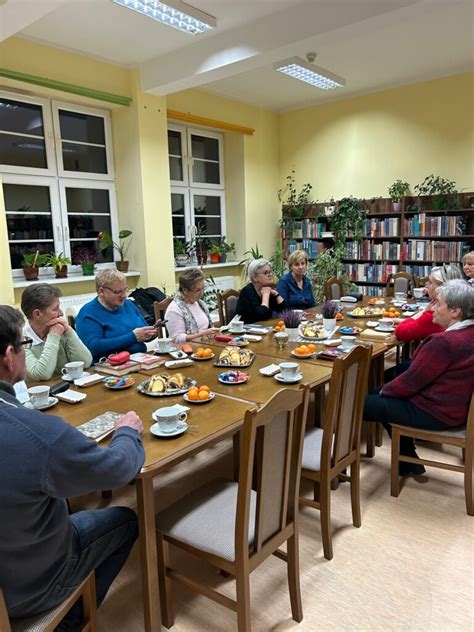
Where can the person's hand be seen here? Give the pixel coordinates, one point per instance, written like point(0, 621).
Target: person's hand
point(130, 420)
point(58, 326)
point(266, 291)
point(143, 334)
point(273, 292)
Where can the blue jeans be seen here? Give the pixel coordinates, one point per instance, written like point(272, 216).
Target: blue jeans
point(103, 540)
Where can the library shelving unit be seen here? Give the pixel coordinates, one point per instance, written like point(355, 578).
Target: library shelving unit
point(426, 231)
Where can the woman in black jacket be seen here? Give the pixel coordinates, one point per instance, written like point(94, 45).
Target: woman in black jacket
point(258, 299)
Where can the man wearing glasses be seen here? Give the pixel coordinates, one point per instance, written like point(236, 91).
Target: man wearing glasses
point(44, 551)
point(111, 322)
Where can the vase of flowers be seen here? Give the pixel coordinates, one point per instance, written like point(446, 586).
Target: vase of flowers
point(121, 246)
point(292, 320)
point(329, 311)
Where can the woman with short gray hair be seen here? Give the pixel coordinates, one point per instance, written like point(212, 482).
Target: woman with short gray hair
point(258, 300)
point(54, 341)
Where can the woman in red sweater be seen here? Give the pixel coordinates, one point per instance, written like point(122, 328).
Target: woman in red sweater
point(422, 396)
point(421, 325)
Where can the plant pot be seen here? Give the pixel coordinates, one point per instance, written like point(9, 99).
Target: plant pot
point(61, 273)
point(215, 258)
point(201, 256)
point(397, 207)
point(329, 324)
point(122, 266)
point(223, 257)
point(31, 273)
point(88, 269)
point(181, 260)
point(293, 333)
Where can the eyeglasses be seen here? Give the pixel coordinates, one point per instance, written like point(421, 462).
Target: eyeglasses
point(267, 272)
point(27, 343)
point(124, 290)
point(197, 291)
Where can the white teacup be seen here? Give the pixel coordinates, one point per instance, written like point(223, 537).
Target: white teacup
point(169, 417)
point(39, 395)
point(163, 344)
point(400, 296)
point(237, 327)
point(73, 369)
point(347, 342)
point(289, 370)
point(418, 292)
point(385, 326)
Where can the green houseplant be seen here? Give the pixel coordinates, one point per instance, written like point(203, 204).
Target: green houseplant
point(86, 258)
point(293, 202)
point(327, 265)
point(443, 191)
point(32, 262)
point(348, 220)
point(121, 246)
point(181, 256)
point(201, 243)
point(226, 249)
point(58, 262)
point(215, 251)
point(396, 191)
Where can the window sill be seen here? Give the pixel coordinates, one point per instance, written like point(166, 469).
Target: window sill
point(71, 278)
point(210, 266)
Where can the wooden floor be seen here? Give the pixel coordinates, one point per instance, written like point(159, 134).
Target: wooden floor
point(409, 567)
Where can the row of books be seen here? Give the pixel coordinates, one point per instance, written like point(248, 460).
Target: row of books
point(313, 248)
point(387, 227)
point(433, 226)
point(305, 228)
point(372, 290)
point(377, 272)
point(422, 250)
point(371, 250)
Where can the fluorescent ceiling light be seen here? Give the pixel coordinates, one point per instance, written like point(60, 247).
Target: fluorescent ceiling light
point(173, 13)
point(310, 73)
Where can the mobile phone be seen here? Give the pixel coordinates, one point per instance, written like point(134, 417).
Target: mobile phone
point(160, 322)
point(59, 388)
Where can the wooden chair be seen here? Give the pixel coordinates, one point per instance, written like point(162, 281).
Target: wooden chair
point(460, 437)
point(399, 282)
point(160, 308)
point(329, 451)
point(48, 621)
point(421, 281)
point(226, 304)
point(333, 289)
point(234, 527)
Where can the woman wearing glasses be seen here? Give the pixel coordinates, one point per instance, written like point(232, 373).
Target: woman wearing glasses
point(53, 341)
point(111, 323)
point(258, 299)
point(187, 315)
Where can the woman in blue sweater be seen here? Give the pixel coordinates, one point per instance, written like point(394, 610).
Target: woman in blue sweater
point(295, 286)
point(111, 323)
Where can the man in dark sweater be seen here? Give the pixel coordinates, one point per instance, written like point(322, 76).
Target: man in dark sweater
point(435, 391)
point(45, 552)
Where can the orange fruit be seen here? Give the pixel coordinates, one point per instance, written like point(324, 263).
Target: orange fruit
point(199, 352)
point(311, 347)
point(397, 314)
point(392, 309)
point(281, 323)
point(207, 353)
point(204, 387)
point(203, 395)
point(193, 393)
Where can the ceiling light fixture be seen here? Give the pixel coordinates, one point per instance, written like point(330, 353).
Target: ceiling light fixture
point(173, 13)
point(310, 73)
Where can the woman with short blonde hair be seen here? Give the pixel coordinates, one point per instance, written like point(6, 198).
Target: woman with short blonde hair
point(468, 266)
point(258, 300)
point(295, 287)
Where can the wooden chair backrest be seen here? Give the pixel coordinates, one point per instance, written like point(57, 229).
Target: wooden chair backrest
point(421, 281)
point(399, 282)
point(333, 289)
point(4, 620)
point(226, 304)
point(470, 424)
point(272, 442)
point(160, 308)
point(345, 405)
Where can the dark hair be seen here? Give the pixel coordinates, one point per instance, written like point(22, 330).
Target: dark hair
point(188, 279)
point(11, 322)
point(38, 296)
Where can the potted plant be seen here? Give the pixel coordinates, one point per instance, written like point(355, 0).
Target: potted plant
point(59, 262)
point(292, 320)
point(348, 220)
point(32, 262)
point(443, 191)
point(330, 207)
point(201, 243)
point(329, 310)
point(105, 241)
point(396, 191)
point(292, 201)
point(180, 252)
point(86, 258)
point(328, 264)
point(215, 252)
point(226, 249)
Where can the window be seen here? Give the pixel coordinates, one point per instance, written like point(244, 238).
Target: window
point(197, 182)
point(58, 177)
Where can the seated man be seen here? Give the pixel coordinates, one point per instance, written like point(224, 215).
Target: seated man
point(54, 342)
point(45, 552)
point(435, 390)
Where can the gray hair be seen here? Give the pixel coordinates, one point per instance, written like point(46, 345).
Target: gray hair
point(255, 266)
point(188, 279)
point(458, 294)
point(105, 277)
point(445, 273)
point(38, 296)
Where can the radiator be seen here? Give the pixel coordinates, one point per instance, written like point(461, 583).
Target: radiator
point(224, 283)
point(72, 304)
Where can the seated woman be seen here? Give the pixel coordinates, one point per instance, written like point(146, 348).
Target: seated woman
point(258, 299)
point(110, 322)
point(188, 316)
point(421, 324)
point(295, 287)
point(54, 342)
point(468, 266)
point(435, 391)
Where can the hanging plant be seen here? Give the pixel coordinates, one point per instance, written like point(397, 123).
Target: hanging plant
point(348, 220)
point(293, 201)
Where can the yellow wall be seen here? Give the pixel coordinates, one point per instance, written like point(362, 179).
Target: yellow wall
point(360, 146)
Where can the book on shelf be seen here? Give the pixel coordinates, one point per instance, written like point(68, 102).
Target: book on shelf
point(147, 360)
point(101, 426)
point(118, 369)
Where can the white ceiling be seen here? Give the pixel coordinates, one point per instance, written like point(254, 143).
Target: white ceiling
point(373, 44)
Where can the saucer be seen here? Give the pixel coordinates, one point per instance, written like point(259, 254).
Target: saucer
point(179, 430)
point(384, 330)
point(279, 377)
point(237, 333)
point(68, 378)
point(52, 401)
point(199, 401)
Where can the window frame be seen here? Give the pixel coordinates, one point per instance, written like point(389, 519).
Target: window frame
point(211, 193)
point(208, 134)
point(184, 157)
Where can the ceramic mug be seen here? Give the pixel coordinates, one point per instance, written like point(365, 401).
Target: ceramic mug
point(289, 370)
point(348, 342)
point(418, 292)
point(163, 345)
point(400, 296)
point(237, 327)
point(169, 417)
point(73, 369)
point(39, 395)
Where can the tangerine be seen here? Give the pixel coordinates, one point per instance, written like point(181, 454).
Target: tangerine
point(203, 395)
point(193, 393)
point(204, 387)
point(397, 314)
point(199, 352)
point(312, 347)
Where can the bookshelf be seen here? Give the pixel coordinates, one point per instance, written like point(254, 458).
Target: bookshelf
point(414, 239)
